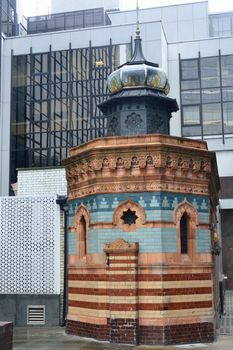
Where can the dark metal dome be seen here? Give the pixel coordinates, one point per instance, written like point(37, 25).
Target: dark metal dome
point(138, 72)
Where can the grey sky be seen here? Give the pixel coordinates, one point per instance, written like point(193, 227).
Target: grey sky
point(34, 7)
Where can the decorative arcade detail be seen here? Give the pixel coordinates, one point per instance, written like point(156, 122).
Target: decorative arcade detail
point(142, 243)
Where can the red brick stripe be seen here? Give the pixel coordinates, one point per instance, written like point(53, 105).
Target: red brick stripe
point(142, 292)
point(87, 277)
point(176, 306)
point(103, 306)
point(134, 307)
point(145, 277)
point(175, 277)
point(174, 291)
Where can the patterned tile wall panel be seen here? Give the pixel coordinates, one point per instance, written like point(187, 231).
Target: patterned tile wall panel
point(153, 240)
point(203, 241)
point(158, 206)
point(72, 244)
point(29, 245)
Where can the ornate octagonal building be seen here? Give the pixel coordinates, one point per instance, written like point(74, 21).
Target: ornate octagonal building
point(142, 221)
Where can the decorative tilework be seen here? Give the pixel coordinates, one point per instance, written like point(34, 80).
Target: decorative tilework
point(204, 218)
point(174, 203)
point(72, 243)
point(154, 240)
point(203, 241)
point(154, 202)
point(103, 204)
point(194, 204)
point(142, 202)
point(165, 202)
point(115, 203)
point(158, 206)
point(204, 205)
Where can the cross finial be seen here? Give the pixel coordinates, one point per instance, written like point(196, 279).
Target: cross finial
point(137, 28)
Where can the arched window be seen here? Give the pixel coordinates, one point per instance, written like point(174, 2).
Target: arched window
point(184, 233)
point(83, 236)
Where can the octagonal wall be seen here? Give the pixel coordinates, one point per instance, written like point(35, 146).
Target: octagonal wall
point(134, 279)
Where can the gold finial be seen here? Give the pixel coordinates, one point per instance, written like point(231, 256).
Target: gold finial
point(137, 28)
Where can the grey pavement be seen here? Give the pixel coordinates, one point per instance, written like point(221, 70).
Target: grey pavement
point(54, 338)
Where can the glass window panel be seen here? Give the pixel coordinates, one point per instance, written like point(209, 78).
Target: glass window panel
point(190, 84)
point(227, 70)
point(210, 72)
point(189, 69)
point(40, 140)
point(40, 158)
point(189, 131)
point(79, 19)
point(212, 121)
point(191, 115)
point(190, 97)
point(228, 117)
point(211, 95)
point(227, 94)
point(20, 128)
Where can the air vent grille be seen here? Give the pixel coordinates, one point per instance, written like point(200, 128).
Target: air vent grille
point(36, 315)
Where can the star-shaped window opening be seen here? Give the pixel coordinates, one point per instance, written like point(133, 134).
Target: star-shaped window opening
point(129, 217)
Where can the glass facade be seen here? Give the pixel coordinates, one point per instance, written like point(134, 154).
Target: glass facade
point(207, 96)
point(8, 17)
point(68, 20)
point(221, 24)
point(54, 102)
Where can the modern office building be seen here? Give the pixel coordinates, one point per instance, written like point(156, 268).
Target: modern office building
point(58, 6)
point(54, 80)
point(8, 19)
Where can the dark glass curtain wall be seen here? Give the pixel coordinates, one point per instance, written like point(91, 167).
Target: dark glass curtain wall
point(207, 96)
point(54, 102)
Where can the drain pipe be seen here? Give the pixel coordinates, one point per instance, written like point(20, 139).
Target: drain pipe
point(64, 206)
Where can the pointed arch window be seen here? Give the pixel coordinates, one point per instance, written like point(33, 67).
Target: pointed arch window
point(83, 236)
point(184, 234)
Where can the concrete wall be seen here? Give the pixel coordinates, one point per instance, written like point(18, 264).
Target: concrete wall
point(13, 308)
point(181, 22)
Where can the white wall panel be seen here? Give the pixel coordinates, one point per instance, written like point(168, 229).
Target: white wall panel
point(29, 245)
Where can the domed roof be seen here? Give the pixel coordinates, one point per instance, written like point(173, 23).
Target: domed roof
point(138, 72)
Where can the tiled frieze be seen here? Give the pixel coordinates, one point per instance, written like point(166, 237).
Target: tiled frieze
point(154, 240)
point(158, 206)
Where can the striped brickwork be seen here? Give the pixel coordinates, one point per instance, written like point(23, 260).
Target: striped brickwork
point(130, 281)
point(144, 300)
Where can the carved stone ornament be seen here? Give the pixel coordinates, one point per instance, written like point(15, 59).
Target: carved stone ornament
point(81, 211)
point(120, 245)
point(133, 121)
point(119, 215)
point(185, 207)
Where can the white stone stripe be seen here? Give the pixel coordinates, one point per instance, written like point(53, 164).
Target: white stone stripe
point(142, 299)
point(116, 257)
point(141, 285)
point(142, 313)
point(124, 265)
